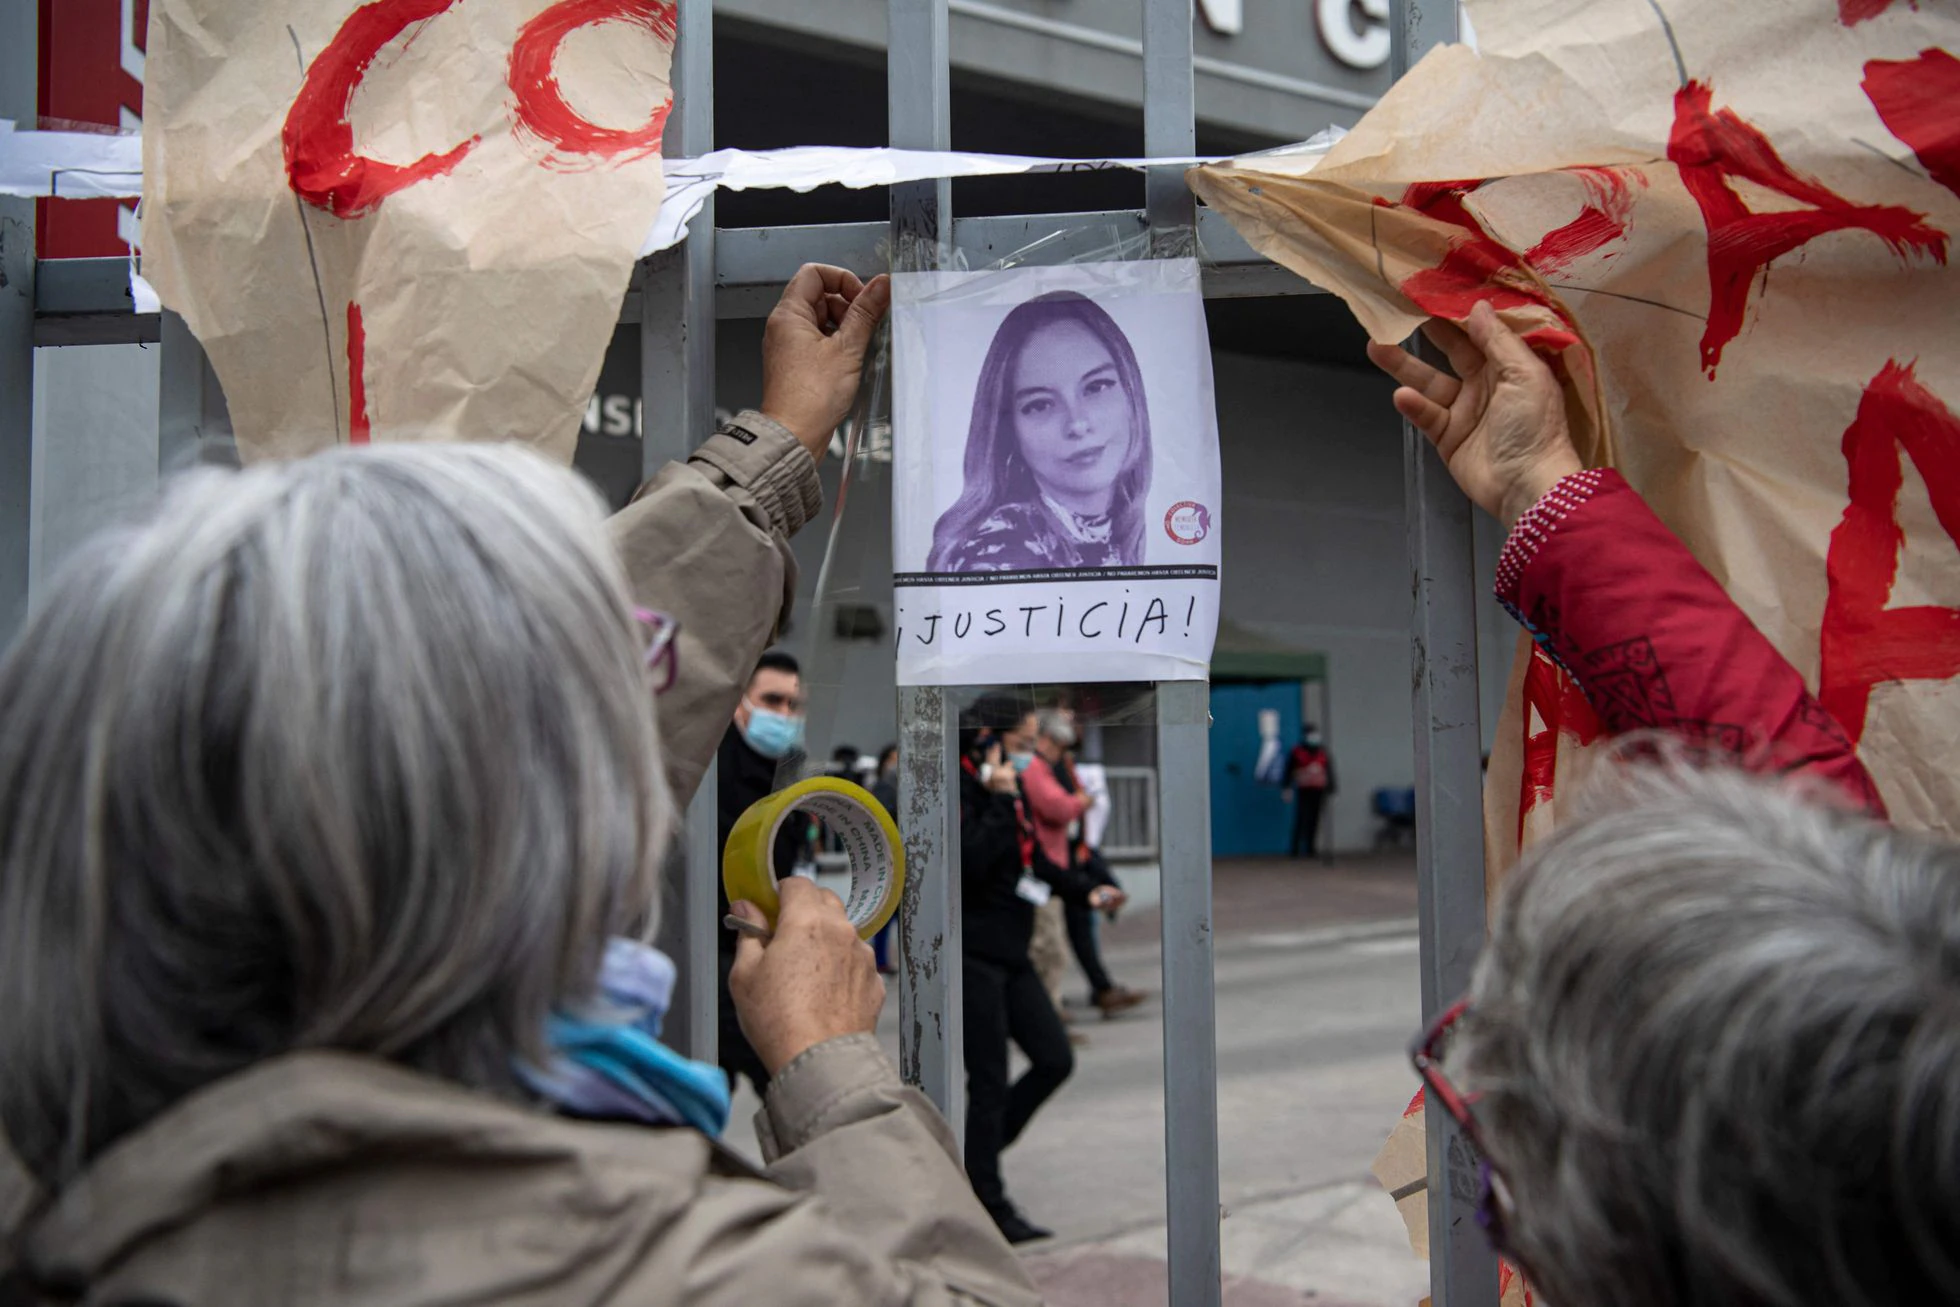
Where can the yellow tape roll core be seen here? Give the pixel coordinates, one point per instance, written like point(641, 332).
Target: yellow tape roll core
point(861, 825)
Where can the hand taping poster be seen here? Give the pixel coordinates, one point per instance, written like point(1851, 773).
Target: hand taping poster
point(1057, 481)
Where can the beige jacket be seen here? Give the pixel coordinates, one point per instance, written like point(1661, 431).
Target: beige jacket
point(329, 1180)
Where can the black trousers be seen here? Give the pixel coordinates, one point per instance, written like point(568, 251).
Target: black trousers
point(1088, 951)
point(1306, 821)
point(1003, 1002)
point(732, 1049)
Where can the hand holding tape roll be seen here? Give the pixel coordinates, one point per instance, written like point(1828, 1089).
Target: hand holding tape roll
point(862, 826)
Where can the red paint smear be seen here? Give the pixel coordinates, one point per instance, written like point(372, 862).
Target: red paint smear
point(321, 162)
point(359, 430)
point(1599, 224)
point(1853, 12)
point(1415, 1104)
point(1710, 148)
point(1477, 269)
point(1561, 705)
point(1506, 1274)
point(1919, 99)
point(1865, 644)
point(541, 105)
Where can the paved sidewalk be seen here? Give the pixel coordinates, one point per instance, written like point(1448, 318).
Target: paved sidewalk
point(1341, 1246)
point(1262, 897)
point(1317, 996)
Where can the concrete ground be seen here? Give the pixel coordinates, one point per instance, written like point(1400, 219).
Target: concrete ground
point(1317, 998)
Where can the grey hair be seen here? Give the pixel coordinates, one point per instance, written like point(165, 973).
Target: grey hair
point(1053, 724)
point(351, 753)
point(1717, 1037)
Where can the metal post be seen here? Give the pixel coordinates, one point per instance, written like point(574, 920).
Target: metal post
point(19, 95)
point(1183, 754)
point(932, 1053)
point(1449, 782)
point(932, 982)
point(677, 396)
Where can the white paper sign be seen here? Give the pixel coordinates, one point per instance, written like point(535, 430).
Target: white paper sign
point(1057, 484)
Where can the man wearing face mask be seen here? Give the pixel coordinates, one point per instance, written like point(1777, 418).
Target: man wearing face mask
point(767, 732)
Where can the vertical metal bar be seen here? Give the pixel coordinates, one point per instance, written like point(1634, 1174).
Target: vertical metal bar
point(1449, 782)
point(1183, 755)
point(677, 397)
point(19, 101)
point(1190, 1006)
point(180, 397)
point(931, 982)
point(919, 94)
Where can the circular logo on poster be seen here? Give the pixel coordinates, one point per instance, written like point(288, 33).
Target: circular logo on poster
point(1188, 523)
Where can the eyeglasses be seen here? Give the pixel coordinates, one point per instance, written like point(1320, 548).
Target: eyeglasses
point(663, 656)
point(1427, 1053)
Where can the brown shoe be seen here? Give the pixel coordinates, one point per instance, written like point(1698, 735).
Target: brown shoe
point(1117, 999)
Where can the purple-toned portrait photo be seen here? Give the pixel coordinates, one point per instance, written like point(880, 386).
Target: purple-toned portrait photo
point(1058, 457)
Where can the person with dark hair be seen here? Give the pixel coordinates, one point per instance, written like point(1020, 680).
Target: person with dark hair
point(1058, 455)
point(1309, 780)
point(1711, 1054)
point(1002, 882)
point(767, 733)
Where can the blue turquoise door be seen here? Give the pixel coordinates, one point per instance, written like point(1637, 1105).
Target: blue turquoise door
point(1249, 820)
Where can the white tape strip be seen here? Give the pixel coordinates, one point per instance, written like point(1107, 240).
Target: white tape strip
point(80, 165)
point(70, 165)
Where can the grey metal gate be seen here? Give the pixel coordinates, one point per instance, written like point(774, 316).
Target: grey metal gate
point(718, 274)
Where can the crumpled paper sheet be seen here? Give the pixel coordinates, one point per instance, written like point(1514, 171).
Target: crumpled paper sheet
point(404, 219)
point(1733, 227)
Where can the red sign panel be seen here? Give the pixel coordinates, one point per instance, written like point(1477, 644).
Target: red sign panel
point(91, 73)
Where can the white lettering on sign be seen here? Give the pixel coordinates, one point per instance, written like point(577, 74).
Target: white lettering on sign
point(1365, 45)
point(1226, 17)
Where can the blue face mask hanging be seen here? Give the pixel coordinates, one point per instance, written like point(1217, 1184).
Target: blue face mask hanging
point(772, 734)
point(610, 1065)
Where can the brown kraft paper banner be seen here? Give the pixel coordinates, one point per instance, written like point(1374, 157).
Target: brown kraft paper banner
point(1743, 218)
point(404, 219)
point(1732, 228)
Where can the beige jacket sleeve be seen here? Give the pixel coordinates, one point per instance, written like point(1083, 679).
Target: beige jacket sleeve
point(880, 1212)
point(707, 543)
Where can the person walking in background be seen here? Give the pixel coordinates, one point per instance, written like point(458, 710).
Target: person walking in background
point(1003, 880)
point(1310, 779)
point(766, 733)
point(1104, 993)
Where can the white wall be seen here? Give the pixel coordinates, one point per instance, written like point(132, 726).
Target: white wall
point(95, 446)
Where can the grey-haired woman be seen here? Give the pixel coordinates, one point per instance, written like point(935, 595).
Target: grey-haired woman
point(1711, 1055)
point(322, 793)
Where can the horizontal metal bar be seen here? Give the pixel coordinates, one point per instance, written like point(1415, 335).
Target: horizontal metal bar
point(86, 301)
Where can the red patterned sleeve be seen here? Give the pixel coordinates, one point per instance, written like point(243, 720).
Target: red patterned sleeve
point(1656, 643)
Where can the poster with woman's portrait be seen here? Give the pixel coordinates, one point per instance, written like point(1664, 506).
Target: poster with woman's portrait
point(1057, 485)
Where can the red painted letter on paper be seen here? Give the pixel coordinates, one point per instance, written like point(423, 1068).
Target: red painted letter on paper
point(1866, 644)
point(1919, 99)
point(542, 108)
point(321, 162)
point(1711, 148)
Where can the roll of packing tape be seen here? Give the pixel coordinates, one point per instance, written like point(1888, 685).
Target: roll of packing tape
point(861, 825)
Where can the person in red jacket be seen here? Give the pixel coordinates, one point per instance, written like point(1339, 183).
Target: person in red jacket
point(1711, 1054)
